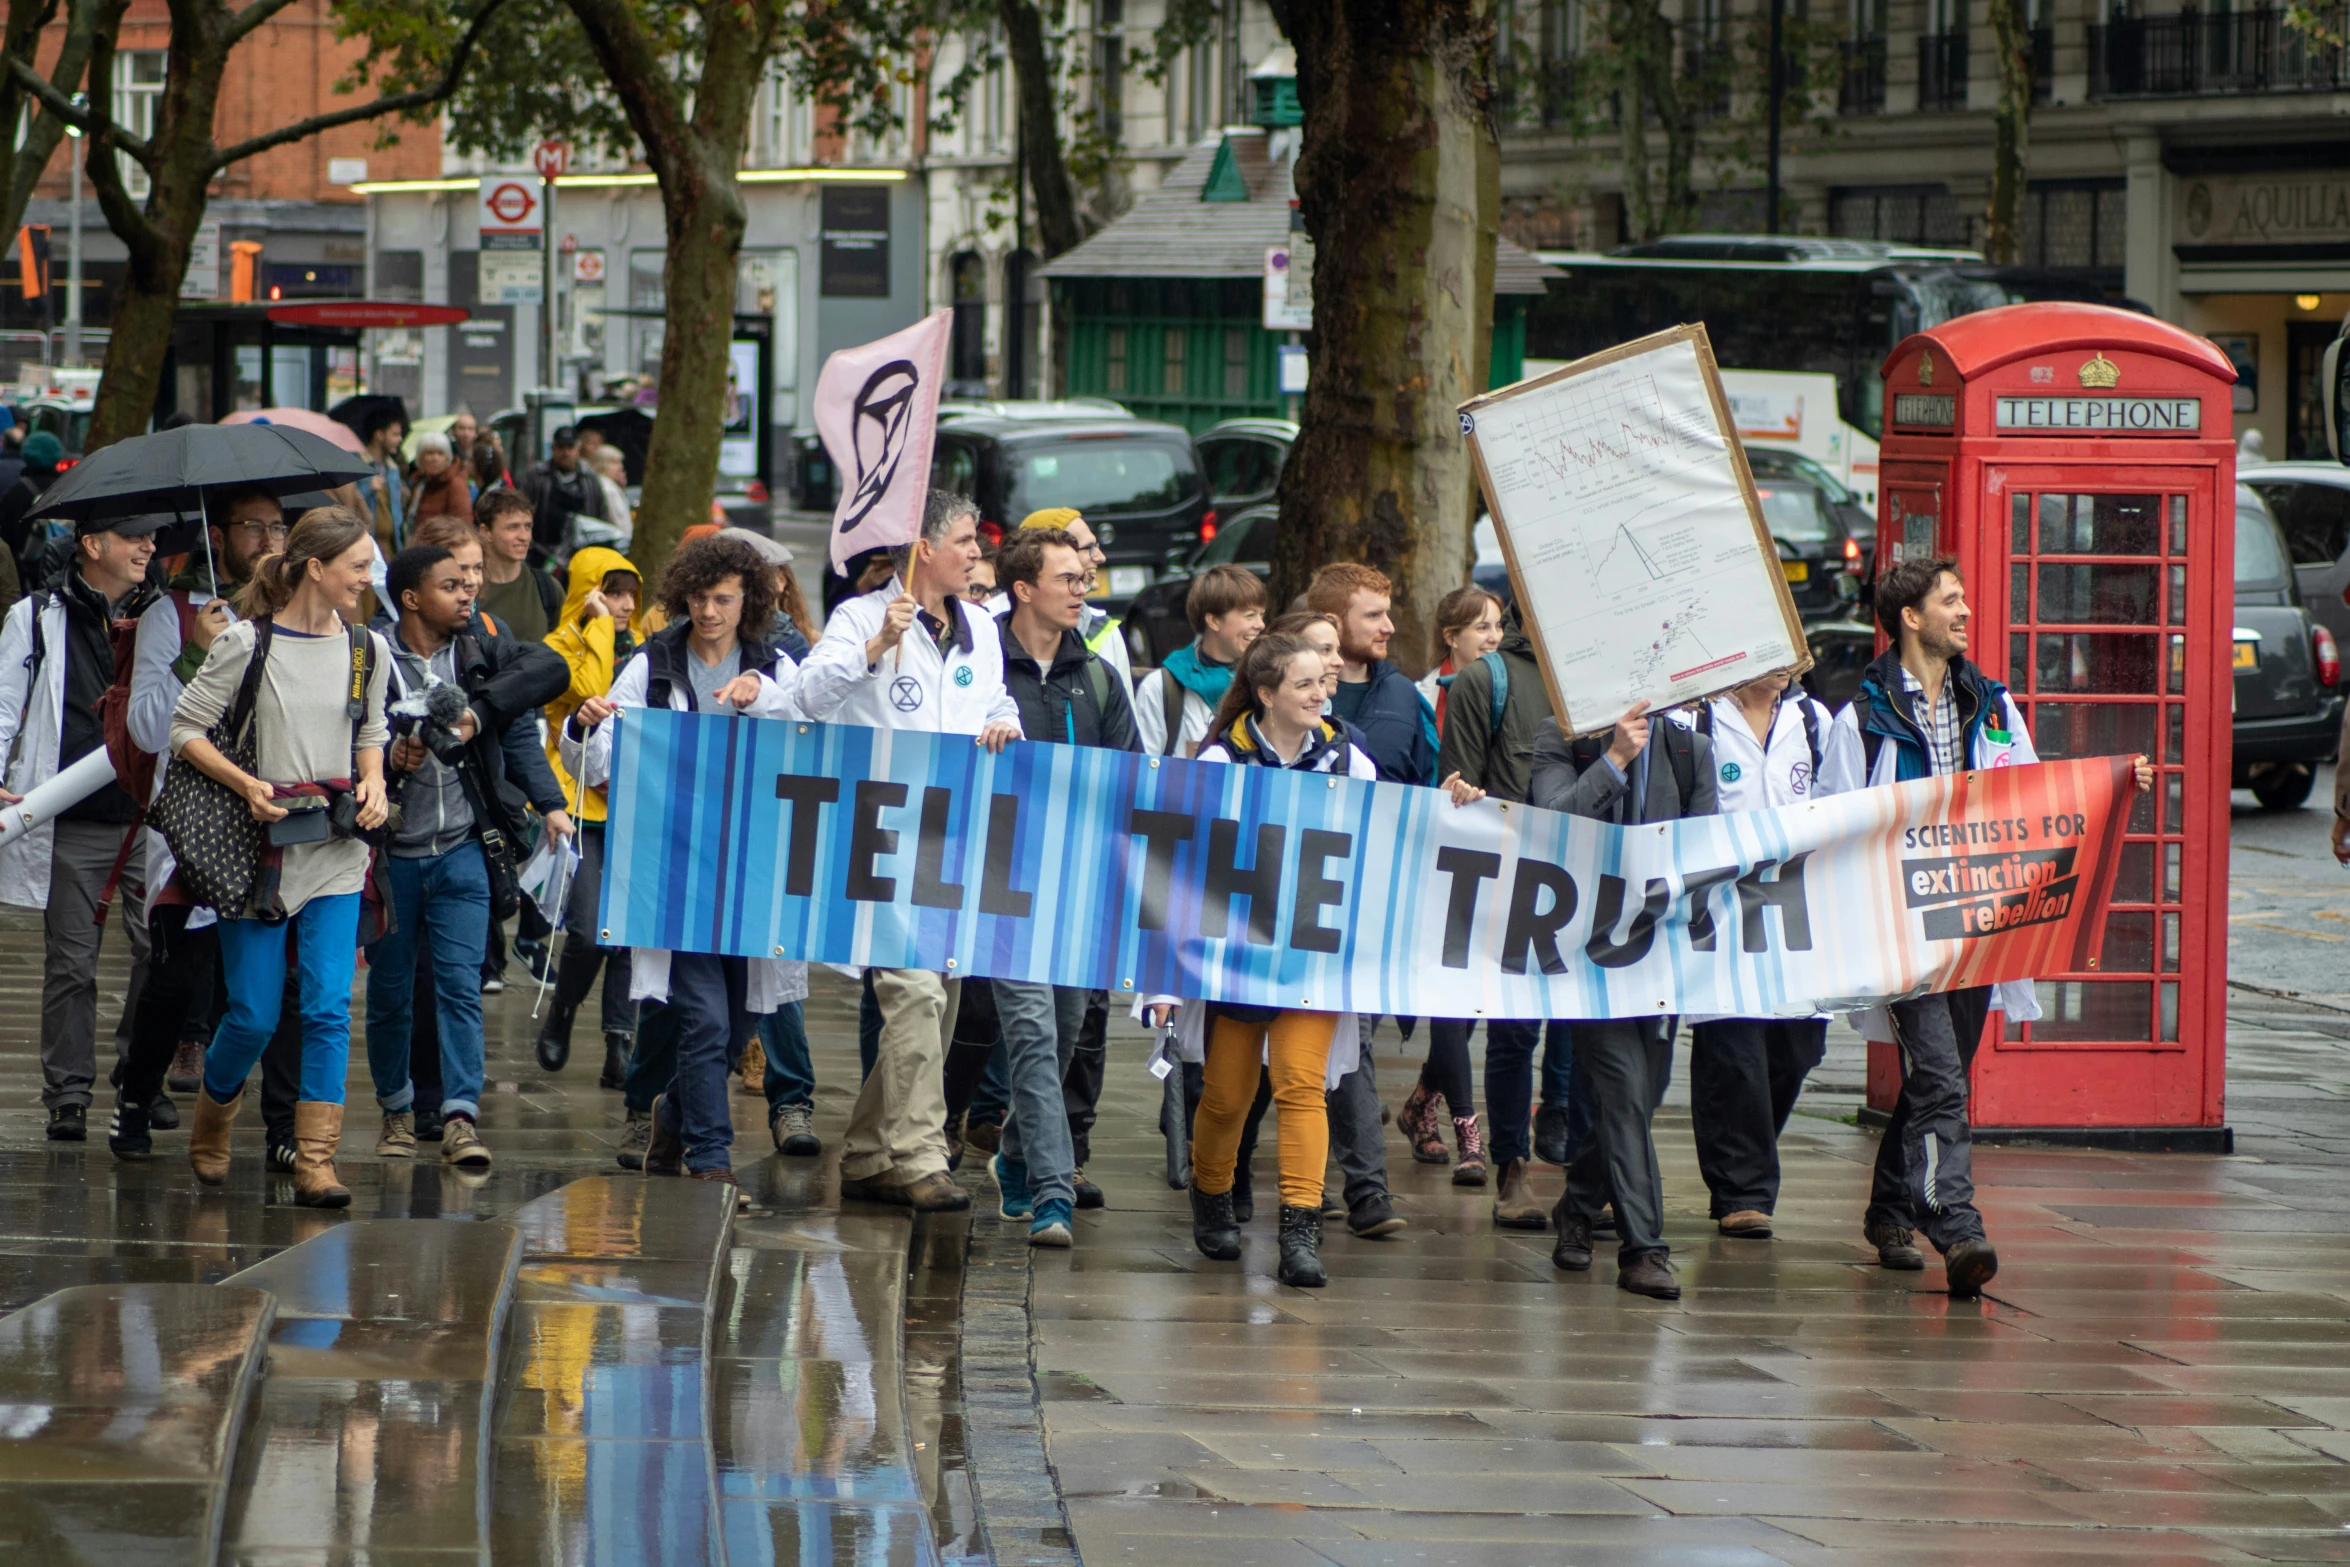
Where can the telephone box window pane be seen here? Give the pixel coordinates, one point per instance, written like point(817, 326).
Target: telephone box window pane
point(2133, 875)
point(2129, 943)
point(2141, 812)
point(2171, 853)
point(2175, 749)
point(2019, 593)
point(2095, 1009)
point(2170, 942)
point(2099, 595)
point(2021, 510)
point(2178, 665)
point(2071, 729)
point(2174, 789)
point(2085, 661)
point(2100, 524)
point(2178, 525)
point(2178, 596)
point(2170, 1012)
point(2019, 649)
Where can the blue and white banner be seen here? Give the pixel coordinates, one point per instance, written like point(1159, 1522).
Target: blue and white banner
point(1134, 874)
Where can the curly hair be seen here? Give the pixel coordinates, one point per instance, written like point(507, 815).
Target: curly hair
point(705, 563)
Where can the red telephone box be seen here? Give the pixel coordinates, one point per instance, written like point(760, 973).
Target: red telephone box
point(2078, 462)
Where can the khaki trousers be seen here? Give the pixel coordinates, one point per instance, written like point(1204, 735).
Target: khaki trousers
point(898, 1128)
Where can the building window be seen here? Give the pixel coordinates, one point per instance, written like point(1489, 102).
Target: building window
point(1902, 214)
point(967, 357)
point(1114, 345)
point(138, 88)
point(1109, 28)
point(1174, 341)
point(2075, 225)
point(1235, 363)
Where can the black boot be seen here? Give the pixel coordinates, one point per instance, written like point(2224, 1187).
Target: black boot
point(555, 1038)
point(1301, 1248)
point(1244, 1204)
point(617, 1049)
point(1213, 1229)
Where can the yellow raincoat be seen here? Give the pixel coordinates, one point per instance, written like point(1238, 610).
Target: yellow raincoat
point(586, 645)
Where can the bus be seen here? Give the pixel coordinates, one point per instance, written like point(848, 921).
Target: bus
point(1793, 322)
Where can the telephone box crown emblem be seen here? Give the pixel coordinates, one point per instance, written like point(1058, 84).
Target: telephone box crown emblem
point(2100, 372)
point(1925, 369)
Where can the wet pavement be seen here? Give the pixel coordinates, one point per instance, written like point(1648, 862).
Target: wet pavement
point(2158, 1374)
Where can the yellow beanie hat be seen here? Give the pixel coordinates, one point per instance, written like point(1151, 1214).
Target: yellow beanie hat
point(1052, 517)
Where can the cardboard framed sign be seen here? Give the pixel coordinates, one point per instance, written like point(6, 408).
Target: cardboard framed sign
point(1634, 536)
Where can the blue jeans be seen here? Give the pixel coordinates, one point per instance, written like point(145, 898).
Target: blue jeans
point(1509, 1085)
point(443, 902)
point(991, 1101)
point(707, 998)
point(253, 963)
point(1039, 1026)
point(791, 1078)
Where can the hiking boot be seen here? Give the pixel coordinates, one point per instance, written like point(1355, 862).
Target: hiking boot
point(1651, 1275)
point(398, 1140)
point(554, 1047)
point(1970, 1265)
point(745, 1205)
point(1050, 1227)
point(1550, 1136)
point(69, 1124)
point(1897, 1248)
point(872, 1188)
point(1301, 1248)
point(982, 1135)
point(1515, 1207)
point(1213, 1229)
point(1471, 1169)
point(794, 1129)
point(1573, 1250)
point(318, 1133)
point(633, 1138)
point(664, 1149)
point(186, 1073)
point(1419, 1123)
point(618, 1047)
point(754, 1068)
point(126, 1136)
point(1750, 1224)
point(1332, 1208)
point(163, 1115)
point(1088, 1194)
point(1373, 1216)
point(461, 1145)
point(1011, 1180)
point(935, 1193)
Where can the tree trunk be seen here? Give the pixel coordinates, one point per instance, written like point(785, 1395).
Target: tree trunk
point(2010, 132)
point(1399, 179)
point(1058, 226)
point(85, 21)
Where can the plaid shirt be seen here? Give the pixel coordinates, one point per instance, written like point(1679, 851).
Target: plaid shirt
point(1940, 724)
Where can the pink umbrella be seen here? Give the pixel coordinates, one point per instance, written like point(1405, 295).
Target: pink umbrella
point(301, 419)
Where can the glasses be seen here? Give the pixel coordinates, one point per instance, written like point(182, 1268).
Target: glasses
point(1071, 581)
point(698, 602)
point(273, 530)
point(979, 592)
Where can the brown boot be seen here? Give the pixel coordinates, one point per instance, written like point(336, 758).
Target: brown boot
point(208, 1138)
point(1516, 1207)
point(318, 1132)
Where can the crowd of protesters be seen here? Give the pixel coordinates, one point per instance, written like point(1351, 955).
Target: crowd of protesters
point(408, 689)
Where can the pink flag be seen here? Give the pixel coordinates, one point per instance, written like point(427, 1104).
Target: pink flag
point(877, 410)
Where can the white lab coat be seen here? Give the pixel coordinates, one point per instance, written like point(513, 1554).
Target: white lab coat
point(773, 982)
point(916, 686)
point(32, 724)
point(1150, 717)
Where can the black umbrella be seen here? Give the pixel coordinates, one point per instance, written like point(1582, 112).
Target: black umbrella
point(171, 470)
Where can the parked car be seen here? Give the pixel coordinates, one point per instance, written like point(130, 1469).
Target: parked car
point(1137, 481)
point(2311, 501)
point(2288, 669)
point(1242, 459)
point(1032, 408)
point(1860, 523)
point(1812, 518)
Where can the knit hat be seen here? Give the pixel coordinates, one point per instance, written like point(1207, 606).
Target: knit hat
point(1052, 517)
point(42, 450)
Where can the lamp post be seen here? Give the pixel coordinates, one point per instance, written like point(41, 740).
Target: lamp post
point(1778, 99)
point(73, 254)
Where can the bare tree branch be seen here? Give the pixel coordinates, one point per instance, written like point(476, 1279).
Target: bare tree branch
point(85, 19)
point(249, 18)
point(54, 102)
point(394, 103)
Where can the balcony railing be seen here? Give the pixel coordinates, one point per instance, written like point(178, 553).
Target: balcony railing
point(2192, 54)
point(1942, 68)
point(1863, 86)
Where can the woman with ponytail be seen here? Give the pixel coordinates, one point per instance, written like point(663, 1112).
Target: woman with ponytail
point(1271, 717)
point(319, 729)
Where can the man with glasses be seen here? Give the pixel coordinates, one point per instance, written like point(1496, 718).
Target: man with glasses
point(172, 1017)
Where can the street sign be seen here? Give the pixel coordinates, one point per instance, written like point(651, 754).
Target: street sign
point(511, 211)
point(511, 277)
point(366, 313)
point(1289, 299)
point(587, 266)
point(551, 158)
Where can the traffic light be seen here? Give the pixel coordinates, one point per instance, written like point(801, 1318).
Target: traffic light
point(32, 260)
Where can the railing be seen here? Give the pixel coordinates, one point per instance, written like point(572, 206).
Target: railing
point(2192, 54)
point(1538, 92)
point(1942, 70)
point(1862, 90)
